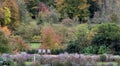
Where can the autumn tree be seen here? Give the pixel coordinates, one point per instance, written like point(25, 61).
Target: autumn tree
point(11, 4)
point(73, 8)
point(50, 39)
point(17, 44)
point(5, 20)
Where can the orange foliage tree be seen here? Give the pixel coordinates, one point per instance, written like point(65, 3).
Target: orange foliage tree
point(5, 30)
point(50, 39)
point(18, 44)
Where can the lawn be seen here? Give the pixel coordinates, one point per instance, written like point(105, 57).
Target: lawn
point(106, 63)
point(35, 45)
point(26, 63)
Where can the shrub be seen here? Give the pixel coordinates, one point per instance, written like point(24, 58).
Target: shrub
point(33, 51)
point(103, 49)
point(73, 47)
point(106, 34)
point(90, 50)
point(96, 50)
point(57, 51)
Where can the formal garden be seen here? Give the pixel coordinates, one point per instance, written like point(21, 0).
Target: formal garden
point(59, 33)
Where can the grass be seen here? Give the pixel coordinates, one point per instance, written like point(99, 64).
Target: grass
point(35, 45)
point(28, 63)
point(106, 63)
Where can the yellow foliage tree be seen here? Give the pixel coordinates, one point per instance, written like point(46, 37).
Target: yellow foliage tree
point(14, 9)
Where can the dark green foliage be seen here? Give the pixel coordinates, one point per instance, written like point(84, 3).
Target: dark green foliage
point(107, 34)
point(90, 50)
point(94, 7)
point(33, 51)
point(103, 49)
point(73, 9)
point(32, 6)
point(57, 51)
point(96, 50)
point(73, 47)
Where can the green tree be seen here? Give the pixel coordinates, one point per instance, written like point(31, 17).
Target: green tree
point(32, 6)
point(79, 40)
point(81, 34)
point(73, 8)
point(24, 13)
point(106, 34)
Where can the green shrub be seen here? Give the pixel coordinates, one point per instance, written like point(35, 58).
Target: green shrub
point(57, 51)
point(90, 50)
point(33, 51)
point(106, 34)
point(96, 50)
point(103, 49)
point(73, 47)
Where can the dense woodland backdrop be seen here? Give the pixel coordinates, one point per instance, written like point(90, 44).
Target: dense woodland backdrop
point(82, 26)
